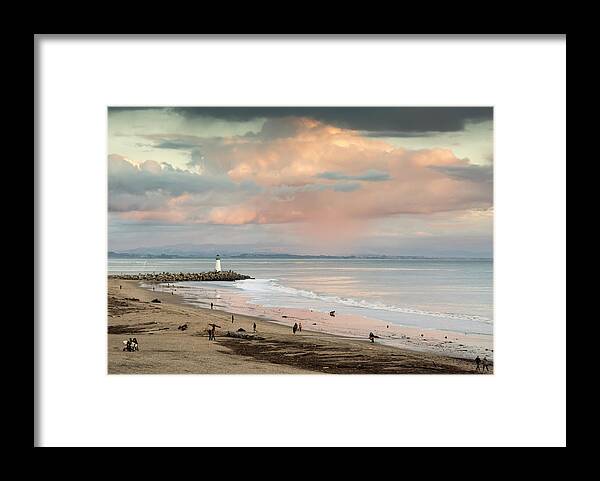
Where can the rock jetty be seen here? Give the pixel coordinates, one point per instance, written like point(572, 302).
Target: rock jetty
point(182, 276)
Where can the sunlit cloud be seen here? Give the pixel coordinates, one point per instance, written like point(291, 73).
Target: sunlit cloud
point(328, 183)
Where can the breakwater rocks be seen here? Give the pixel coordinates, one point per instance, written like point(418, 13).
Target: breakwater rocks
point(182, 276)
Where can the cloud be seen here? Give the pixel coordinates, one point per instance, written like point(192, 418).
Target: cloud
point(473, 173)
point(388, 121)
point(346, 187)
point(151, 176)
point(154, 191)
point(328, 180)
point(174, 144)
point(369, 176)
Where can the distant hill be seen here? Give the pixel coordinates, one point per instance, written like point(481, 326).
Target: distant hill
point(250, 251)
point(140, 255)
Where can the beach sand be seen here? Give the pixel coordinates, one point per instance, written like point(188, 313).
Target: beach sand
point(449, 343)
point(274, 350)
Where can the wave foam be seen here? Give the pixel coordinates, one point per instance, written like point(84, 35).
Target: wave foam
point(266, 286)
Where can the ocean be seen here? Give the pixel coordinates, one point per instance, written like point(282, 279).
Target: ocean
point(444, 294)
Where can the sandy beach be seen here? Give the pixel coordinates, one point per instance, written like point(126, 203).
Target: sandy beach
point(450, 343)
point(273, 349)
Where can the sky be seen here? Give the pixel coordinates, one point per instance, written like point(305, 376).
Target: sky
point(303, 180)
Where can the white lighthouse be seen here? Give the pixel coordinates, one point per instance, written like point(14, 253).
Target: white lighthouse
point(218, 263)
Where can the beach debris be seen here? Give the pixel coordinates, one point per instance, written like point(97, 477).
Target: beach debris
point(144, 327)
point(241, 329)
point(183, 327)
point(156, 301)
point(284, 316)
point(332, 313)
point(249, 337)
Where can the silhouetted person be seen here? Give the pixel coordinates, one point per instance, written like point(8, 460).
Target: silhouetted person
point(120, 287)
point(486, 364)
point(300, 326)
point(372, 337)
point(254, 327)
point(295, 328)
point(211, 305)
point(477, 364)
point(232, 318)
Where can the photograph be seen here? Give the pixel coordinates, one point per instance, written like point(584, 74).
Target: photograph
point(300, 240)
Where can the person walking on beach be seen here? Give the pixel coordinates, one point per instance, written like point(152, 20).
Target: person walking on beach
point(295, 328)
point(486, 364)
point(372, 337)
point(300, 326)
point(477, 364)
point(232, 318)
point(254, 327)
point(211, 305)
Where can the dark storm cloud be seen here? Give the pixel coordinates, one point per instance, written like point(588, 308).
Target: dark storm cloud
point(380, 121)
point(173, 144)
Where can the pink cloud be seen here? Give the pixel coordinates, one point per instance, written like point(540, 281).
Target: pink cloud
point(327, 181)
point(155, 215)
point(414, 185)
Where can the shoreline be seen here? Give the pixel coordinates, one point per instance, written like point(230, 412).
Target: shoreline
point(446, 342)
point(164, 349)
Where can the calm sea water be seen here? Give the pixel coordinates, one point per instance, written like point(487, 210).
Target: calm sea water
point(450, 294)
